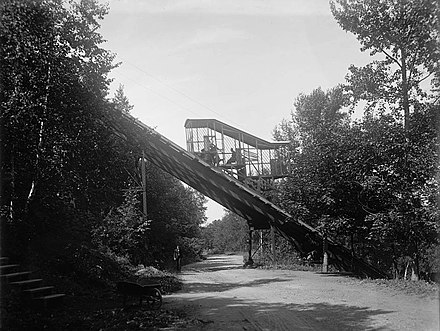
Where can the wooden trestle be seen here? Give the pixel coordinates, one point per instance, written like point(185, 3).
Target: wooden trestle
point(233, 194)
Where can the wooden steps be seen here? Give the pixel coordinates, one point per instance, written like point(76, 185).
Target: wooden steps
point(15, 276)
point(38, 291)
point(26, 284)
point(8, 267)
point(29, 289)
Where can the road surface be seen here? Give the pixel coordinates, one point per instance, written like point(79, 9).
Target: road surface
point(219, 294)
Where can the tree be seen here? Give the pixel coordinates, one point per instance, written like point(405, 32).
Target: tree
point(63, 166)
point(319, 123)
point(54, 80)
point(176, 211)
point(120, 100)
point(367, 184)
point(124, 231)
point(319, 113)
point(227, 234)
point(406, 33)
point(59, 171)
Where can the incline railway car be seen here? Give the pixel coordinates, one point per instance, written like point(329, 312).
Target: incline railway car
point(250, 159)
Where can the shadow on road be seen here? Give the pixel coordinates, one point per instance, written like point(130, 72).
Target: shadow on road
point(215, 309)
point(213, 267)
point(337, 274)
point(214, 263)
point(276, 316)
point(223, 287)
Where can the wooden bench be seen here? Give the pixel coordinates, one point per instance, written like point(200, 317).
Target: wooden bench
point(150, 292)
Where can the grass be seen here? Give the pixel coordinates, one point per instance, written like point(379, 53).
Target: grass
point(419, 288)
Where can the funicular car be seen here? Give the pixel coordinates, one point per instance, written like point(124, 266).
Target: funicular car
point(252, 160)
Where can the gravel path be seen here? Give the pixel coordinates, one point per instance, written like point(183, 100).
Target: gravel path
point(219, 294)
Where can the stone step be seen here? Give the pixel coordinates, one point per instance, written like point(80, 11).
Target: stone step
point(39, 291)
point(15, 276)
point(27, 284)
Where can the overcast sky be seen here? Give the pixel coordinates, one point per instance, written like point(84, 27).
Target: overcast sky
point(240, 61)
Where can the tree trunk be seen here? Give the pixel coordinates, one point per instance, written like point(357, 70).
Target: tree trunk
point(12, 196)
point(33, 188)
point(405, 275)
point(352, 251)
point(395, 268)
point(415, 271)
point(39, 152)
point(405, 101)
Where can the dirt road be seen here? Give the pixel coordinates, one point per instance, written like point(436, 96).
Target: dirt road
point(219, 294)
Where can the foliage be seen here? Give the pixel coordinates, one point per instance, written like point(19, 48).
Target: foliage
point(191, 248)
point(120, 100)
point(54, 79)
point(105, 315)
point(406, 34)
point(125, 230)
point(88, 267)
point(372, 184)
point(230, 234)
point(63, 167)
point(88, 276)
point(176, 211)
point(367, 184)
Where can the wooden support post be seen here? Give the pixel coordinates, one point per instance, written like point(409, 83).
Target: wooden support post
point(261, 248)
point(272, 239)
point(250, 260)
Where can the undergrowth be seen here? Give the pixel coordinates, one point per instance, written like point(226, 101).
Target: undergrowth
point(88, 276)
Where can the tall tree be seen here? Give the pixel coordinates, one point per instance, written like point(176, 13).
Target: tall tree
point(319, 124)
point(319, 113)
point(65, 167)
point(406, 33)
point(121, 101)
point(58, 170)
point(54, 79)
point(366, 184)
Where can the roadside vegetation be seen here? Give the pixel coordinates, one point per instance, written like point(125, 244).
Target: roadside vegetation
point(369, 182)
point(71, 206)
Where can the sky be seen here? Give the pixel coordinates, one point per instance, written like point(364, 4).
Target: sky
point(243, 62)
